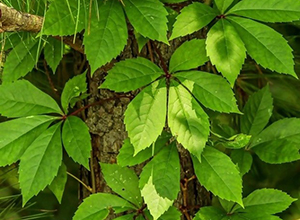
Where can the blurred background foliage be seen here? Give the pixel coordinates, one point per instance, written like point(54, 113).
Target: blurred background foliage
point(285, 92)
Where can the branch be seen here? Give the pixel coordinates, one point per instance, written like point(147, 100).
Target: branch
point(12, 20)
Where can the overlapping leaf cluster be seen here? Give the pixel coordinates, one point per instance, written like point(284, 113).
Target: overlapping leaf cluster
point(177, 98)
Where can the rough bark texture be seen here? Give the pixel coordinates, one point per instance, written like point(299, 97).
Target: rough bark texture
point(13, 20)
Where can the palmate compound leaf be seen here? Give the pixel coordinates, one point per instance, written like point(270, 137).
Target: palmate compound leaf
point(21, 99)
point(126, 158)
point(145, 116)
point(108, 34)
point(73, 88)
point(257, 112)
point(192, 18)
point(18, 134)
point(189, 55)
point(21, 59)
point(226, 49)
point(218, 174)
point(223, 5)
point(123, 181)
point(156, 204)
point(57, 186)
point(53, 52)
point(278, 143)
point(131, 74)
point(148, 17)
point(187, 120)
point(269, 49)
point(77, 140)
point(97, 206)
point(40, 162)
point(268, 11)
point(211, 90)
point(66, 17)
point(266, 201)
point(164, 170)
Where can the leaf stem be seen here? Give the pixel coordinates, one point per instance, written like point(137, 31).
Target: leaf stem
point(86, 186)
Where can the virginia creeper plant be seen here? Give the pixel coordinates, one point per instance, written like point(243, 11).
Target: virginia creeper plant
point(174, 105)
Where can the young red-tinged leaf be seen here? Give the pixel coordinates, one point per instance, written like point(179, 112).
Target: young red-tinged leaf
point(40, 162)
point(131, 74)
point(77, 140)
point(156, 204)
point(192, 18)
point(188, 122)
point(123, 181)
point(21, 99)
point(189, 55)
point(108, 34)
point(97, 206)
point(73, 88)
point(58, 184)
point(164, 170)
point(21, 59)
point(53, 51)
point(268, 11)
point(266, 201)
point(18, 134)
point(257, 112)
point(226, 50)
point(243, 159)
point(62, 17)
point(270, 49)
point(126, 158)
point(211, 90)
point(210, 213)
point(218, 174)
point(148, 17)
point(223, 5)
point(145, 116)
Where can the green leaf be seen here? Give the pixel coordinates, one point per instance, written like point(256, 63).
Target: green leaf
point(18, 134)
point(145, 116)
point(40, 162)
point(53, 52)
point(65, 17)
point(270, 49)
point(140, 40)
point(266, 201)
point(226, 49)
point(164, 170)
point(253, 216)
point(188, 122)
point(96, 205)
point(192, 18)
point(210, 212)
point(126, 158)
point(156, 204)
point(77, 140)
point(211, 90)
point(58, 184)
point(218, 174)
point(73, 88)
point(228, 206)
point(223, 5)
point(268, 11)
point(108, 34)
point(257, 112)
point(237, 141)
point(21, 99)
point(123, 181)
point(21, 59)
point(189, 55)
point(171, 214)
point(131, 74)
point(243, 159)
point(126, 217)
point(148, 17)
point(173, 1)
